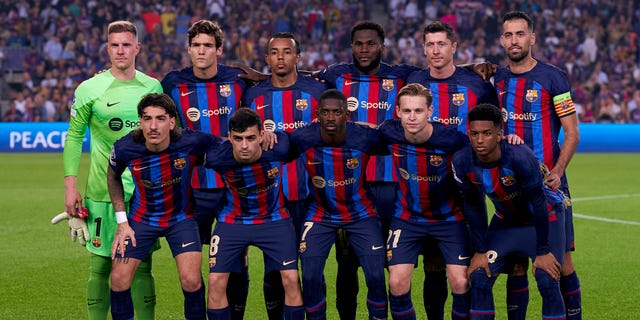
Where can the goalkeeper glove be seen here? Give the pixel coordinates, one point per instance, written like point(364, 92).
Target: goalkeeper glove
point(77, 227)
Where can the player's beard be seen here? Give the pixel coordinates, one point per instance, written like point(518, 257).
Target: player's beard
point(518, 56)
point(372, 66)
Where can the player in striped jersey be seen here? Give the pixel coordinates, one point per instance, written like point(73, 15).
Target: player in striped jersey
point(370, 86)
point(207, 93)
point(428, 205)
point(254, 215)
point(161, 160)
point(336, 154)
point(535, 98)
point(529, 217)
point(286, 101)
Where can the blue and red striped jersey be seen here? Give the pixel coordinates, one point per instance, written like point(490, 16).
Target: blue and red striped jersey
point(532, 104)
point(456, 95)
point(162, 196)
point(372, 99)
point(427, 192)
point(514, 184)
point(338, 172)
point(254, 193)
point(286, 109)
point(205, 105)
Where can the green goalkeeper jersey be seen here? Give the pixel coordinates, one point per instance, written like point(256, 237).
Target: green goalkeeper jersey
point(109, 107)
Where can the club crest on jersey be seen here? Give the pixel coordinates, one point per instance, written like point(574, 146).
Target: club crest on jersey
point(389, 255)
point(179, 163)
point(212, 262)
point(302, 104)
point(303, 247)
point(532, 95)
point(96, 242)
point(273, 172)
point(353, 163)
point(457, 99)
point(435, 160)
point(508, 180)
point(387, 84)
point(225, 90)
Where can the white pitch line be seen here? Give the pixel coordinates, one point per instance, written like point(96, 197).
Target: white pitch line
point(606, 219)
point(613, 196)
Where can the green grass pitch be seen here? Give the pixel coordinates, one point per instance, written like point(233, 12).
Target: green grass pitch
point(43, 274)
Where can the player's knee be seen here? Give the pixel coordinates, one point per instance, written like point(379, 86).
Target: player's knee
point(191, 282)
point(480, 280)
point(545, 281)
point(312, 270)
point(99, 266)
point(290, 280)
point(459, 283)
point(120, 280)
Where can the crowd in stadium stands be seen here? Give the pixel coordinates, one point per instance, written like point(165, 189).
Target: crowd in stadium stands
point(60, 42)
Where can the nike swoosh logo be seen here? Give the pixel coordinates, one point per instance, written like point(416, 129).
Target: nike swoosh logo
point(286, 263)
point(93, 302)
point(112, 104)
point(184, 245)
point(374, 248)
point(398, 155)
point(139, 168)
point(184, 94)
point(313, 163)
point(502, 92)
point(462, 258)
point(348, 83)
point(261, 107)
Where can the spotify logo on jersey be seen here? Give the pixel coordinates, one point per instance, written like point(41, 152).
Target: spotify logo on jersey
point(116, 124)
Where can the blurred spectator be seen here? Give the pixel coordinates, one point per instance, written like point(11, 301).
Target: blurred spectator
point(13, 114)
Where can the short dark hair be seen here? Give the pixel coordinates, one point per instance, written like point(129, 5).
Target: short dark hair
point(243, 119)
point(160, 100)
point(122, 26)
point(285, 35)
point(415, 89)
point(368, 25)
point(333, 94)
point(439, 26)
point(207, 27)
point(514, 15)
point(488, 112)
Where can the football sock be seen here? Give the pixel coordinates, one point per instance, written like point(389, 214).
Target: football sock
point(482, 306)
point(347, 287)
point(293, 313)
point(401, 306)
point(121, 305)
point(460, 306)
point(98, 295)
point(570, 287)
point(219, 314)
point(143, 291)
point(273, 295)
point(517, 297)
point(194, 304)
point(552, 303)
point(434, 294)
point(237, 291)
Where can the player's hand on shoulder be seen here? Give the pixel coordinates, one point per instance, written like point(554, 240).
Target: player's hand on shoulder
point(485, 70)
point(269, 139)
point(249, 73)
point(78, 230)
point(513, 139)
point(549, 264)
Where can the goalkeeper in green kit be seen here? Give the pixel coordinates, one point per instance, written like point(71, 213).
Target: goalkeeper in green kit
point(106, 104)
